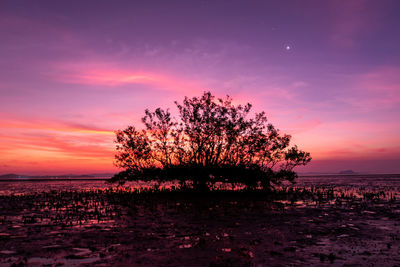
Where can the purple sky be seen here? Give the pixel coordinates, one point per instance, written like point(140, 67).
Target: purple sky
point(72, 72)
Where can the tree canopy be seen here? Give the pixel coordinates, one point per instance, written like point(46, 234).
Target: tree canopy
point(211, 141)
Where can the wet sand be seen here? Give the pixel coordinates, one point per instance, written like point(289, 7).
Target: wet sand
point(164, 229)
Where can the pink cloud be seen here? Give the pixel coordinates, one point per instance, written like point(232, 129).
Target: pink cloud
point(303, 126)
point(351, 139)
point(107, 74)
point(374, 91)
point(381, 86)
point(50, 125)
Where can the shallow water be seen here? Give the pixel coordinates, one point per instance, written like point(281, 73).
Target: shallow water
point(18, 187)
point(366, 180)
point(371, 182)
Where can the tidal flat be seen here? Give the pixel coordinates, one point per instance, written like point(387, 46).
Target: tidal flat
point(322, 225)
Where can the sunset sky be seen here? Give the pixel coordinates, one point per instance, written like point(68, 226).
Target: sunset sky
point(72, 72)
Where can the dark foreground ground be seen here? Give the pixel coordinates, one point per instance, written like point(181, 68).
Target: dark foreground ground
point(186, 229)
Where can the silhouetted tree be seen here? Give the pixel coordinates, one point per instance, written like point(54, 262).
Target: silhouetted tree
point(213, 140)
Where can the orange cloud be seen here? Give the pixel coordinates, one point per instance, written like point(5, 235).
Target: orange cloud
point(50, 144)
point(37, 124)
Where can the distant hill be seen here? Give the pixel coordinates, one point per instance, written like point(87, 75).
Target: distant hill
point(13, 176)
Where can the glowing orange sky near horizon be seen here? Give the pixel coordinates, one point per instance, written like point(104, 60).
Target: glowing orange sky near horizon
point(48, 146)
point(73, 73)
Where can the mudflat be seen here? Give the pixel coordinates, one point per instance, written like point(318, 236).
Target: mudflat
point(100, 227)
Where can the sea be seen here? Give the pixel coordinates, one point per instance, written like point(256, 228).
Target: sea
point(365, 182)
